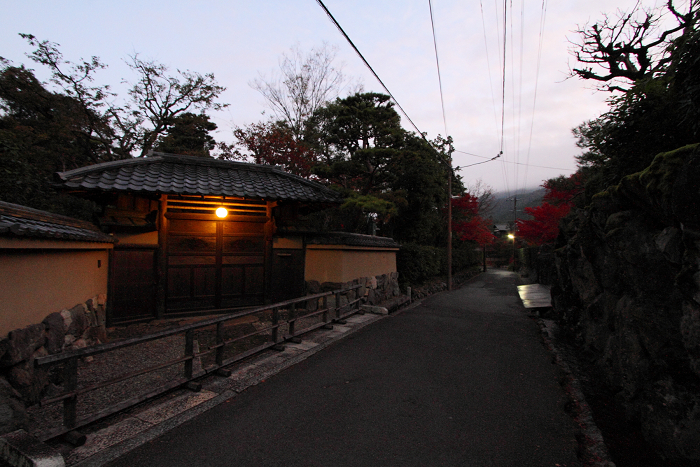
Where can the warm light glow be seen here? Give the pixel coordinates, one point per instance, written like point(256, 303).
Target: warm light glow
point(511, 236)
point(221, 212)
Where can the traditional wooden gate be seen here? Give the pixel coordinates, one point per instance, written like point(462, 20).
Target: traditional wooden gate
point(215, 263)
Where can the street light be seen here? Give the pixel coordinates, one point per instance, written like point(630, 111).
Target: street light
point(512, 237)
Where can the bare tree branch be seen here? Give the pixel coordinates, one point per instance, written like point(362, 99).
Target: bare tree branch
point(302, 84)
point(629, 47)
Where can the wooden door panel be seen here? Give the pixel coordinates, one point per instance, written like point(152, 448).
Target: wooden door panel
point(133, 285)
point(200, 253)
point(232, 281)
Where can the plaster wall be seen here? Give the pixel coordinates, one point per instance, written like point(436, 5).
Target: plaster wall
point(36, 283)
point(325, 263)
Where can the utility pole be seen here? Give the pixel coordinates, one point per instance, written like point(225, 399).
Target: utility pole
point(449, 225)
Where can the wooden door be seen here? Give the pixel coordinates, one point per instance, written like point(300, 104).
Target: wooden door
point(287, 275)
point(214, 264)
point(133, 285)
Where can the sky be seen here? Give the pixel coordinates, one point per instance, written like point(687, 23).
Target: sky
point(238, 40)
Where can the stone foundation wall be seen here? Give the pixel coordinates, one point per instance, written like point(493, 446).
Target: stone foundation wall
point(376, 289)
point(23, 385)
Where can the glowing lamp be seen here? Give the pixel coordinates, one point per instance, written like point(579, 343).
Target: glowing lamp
point(221, 212)
point(511, 236)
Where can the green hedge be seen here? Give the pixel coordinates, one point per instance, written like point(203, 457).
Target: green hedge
point(419, 263)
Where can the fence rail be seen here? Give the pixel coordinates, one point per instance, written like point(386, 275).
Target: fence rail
point(287, 314)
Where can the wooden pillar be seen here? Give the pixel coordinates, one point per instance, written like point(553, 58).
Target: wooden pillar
point(161, 257)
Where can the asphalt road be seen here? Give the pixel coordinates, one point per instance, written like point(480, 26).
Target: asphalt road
point(460, 380)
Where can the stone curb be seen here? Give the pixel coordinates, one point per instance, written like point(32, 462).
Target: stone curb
point(594, 452)
point(20, 449)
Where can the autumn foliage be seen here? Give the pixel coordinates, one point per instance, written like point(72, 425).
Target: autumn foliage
point(557, 202)
point(468, 225)
point(270, 143)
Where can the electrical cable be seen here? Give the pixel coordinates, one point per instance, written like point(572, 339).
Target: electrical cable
point(337, 25)
point(543, 15)
point(512, 162)
point(437, 62)
point(488, 66)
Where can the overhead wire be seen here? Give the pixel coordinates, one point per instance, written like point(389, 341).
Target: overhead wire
point(543, 15)
point(513, 162)
point(352, 44)
point(504, 168)
point(437, 62)
point(488, 65)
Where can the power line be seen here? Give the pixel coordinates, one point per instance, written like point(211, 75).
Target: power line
point(337, 25)
point(543, 15)
point(503, 93)
point(437, 62)
point(511, 162)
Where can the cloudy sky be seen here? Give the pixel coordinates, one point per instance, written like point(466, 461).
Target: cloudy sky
point(239, 39)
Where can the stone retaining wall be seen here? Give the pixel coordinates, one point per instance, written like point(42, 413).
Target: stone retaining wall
point(376, 289)
point(21, 384)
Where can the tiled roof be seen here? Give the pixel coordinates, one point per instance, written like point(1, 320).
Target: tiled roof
point(21, 221)
point(350, 239)
point(187, 175)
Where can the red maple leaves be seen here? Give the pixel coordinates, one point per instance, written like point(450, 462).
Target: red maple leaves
point(557, 202)
point(468, 224)
point(272, 144)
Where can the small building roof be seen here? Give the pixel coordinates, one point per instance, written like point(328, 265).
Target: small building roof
point(161, 173)
point(21, 221)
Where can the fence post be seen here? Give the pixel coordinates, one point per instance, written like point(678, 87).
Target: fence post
point(220, 351)
point(325, 313)
point(292, 324)
point(338, 319)
point(189, 363)
point(70, 384)
point(276, 329)
point(189, 352)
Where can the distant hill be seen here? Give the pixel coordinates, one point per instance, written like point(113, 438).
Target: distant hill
point(502, 212)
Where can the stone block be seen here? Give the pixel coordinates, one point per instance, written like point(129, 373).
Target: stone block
point(331, 286)
point(67, 318)
point(362, 291)
point(372, 296)
point(55, 332)
point(372, 284)
point(91, 318)
point(79, 321)
point(13, 414)
point(102, 299)
point(96, 335)
point(670, 243)
point(313, 287)
point(21, 343)
point(90, 304)
point(101, 315)
point(20, 448)
point(29, 381)
point(377, 310)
